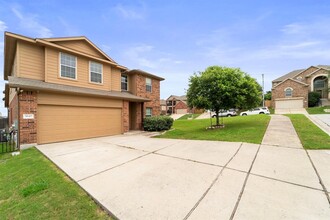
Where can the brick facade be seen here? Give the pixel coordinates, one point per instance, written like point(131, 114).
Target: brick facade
point(125, 116)
point(299, 90)
point(28, 127)
point(154, 95)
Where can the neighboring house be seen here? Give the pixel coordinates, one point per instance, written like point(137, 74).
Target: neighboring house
point(177, 105)
point(62, 89)
point(291, 90)
point(163, 107)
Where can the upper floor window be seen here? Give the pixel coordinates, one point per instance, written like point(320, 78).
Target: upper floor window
point(148, 85)
point(124, 83)
point(68, 65)
point(288, 92)
point(148, 112)
point(320, 82)
point(95, 70)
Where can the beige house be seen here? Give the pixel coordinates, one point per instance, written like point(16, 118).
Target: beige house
point(291, 90)
point(62, 89)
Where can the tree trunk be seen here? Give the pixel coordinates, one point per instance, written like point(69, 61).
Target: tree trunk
point(217, 116)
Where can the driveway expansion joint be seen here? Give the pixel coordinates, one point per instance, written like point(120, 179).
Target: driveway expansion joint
point(105, 170)
point(243, 187)
point(212, 184)
point(320, 179)
point(283, 181)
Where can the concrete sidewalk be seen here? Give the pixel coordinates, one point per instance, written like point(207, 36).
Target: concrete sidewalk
point(138, 177)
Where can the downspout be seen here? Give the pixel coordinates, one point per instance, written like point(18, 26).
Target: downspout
point(142, 107)
point(18, 121)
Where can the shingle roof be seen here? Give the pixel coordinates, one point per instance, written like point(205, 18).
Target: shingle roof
point(295, 72)
point(288, 75)
point(182, 97)
point(24, 83)
point(133, 71)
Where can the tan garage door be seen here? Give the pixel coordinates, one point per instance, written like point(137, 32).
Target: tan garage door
point(62, 123)
point(181, 111)
point(289, 104)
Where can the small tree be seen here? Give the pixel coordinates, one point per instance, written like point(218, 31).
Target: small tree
point(268, 95)
point(223, 88)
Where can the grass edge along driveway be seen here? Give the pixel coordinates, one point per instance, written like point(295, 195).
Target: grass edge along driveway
point(32, 187)
point(250, 129)
point(311, 136)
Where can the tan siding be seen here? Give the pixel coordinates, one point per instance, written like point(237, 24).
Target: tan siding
point(64, 99)
point(116, 77)
point(132, 84)
point(31, 61)
point(12, 93)
point(53, 74)
point(14, 69)
point(63, 123)
point(81, 46)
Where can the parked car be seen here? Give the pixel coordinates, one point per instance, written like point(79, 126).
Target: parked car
point(225, 113)
point(256, 111)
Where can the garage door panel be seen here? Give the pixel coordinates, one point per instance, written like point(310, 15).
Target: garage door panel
point(289, 104)
point(63, 123)
point(181, 111)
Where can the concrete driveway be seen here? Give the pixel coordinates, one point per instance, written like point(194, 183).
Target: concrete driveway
point(138, 177)
point(322, 121)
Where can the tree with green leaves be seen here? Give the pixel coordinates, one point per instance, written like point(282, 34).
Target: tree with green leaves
point(223, 88)
point(268, 95)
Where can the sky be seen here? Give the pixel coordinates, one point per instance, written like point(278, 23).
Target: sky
point(177, 38)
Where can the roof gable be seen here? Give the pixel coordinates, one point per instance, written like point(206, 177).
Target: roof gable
point(295, 81)
point(303, 72)
point(81, 44)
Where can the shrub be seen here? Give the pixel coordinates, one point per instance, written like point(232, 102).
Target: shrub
point(157, 123)
point(313, 99)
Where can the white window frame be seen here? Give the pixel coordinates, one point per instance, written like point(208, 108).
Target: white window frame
point(60, 65)
point(147, 84)
point(291, 91)
point(122, 82)
point(90, 72)
point(148, 115)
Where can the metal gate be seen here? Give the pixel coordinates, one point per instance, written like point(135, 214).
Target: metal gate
point(8, 141)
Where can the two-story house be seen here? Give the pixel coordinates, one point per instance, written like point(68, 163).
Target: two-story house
point(62, 89)
point(290, 91)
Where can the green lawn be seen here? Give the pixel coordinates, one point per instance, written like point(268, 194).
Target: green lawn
point(186, 116)
point(249, 129)
point(31, 187)
point(311, 136)
point(318, 110)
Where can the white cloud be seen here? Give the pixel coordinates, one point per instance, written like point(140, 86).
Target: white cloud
point(129, 12)
point(106, 48)
point(145, 56)
point(138, 55)
point(3, 26)
point(69, 29)
point(293, 41)
point(30, 22)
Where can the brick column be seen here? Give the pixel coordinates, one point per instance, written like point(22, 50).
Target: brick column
point(27, 117)
point(125, 116)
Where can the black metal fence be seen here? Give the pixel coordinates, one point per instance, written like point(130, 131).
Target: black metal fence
point(8, 141)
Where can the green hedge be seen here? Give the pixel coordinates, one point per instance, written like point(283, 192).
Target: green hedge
point(157, 123)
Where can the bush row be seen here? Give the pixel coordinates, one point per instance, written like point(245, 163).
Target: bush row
point(157, 123)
